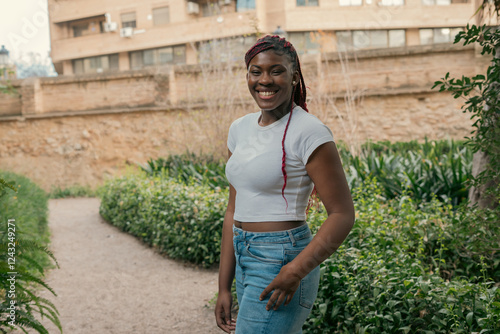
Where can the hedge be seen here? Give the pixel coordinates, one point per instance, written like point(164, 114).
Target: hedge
point(183, 222)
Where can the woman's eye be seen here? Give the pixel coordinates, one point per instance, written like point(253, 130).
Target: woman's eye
point(255, 73)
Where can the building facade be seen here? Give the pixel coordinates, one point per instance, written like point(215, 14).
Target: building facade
point(93, 36)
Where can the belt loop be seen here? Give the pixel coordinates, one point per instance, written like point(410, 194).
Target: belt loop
point(290, 234)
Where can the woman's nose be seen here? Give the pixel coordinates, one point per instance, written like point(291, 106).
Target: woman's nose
point(265, 79)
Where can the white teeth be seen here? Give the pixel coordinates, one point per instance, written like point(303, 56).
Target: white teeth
point(267, 93)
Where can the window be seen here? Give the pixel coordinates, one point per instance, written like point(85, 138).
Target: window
point(210, 8)
point(370, 39)
point(244, 5)
point(87, 26)
point(397, 38)
point(392, 2)
point(304, 42)
point(128, 20)
point(306, 3)
point(350, 2)
point(438, 35)
point(344, 40)
point(436, 2)
point(160, 56)
point(161, 16)
point(165, 55)
point(97, 64)
point(224, 50)
point(80, 29)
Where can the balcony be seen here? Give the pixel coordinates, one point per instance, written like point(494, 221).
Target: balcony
point(199, 29)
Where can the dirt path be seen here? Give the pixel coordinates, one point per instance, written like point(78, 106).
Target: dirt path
point(108, 282)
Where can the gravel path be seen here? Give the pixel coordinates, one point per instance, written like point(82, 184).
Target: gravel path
point(109, 282)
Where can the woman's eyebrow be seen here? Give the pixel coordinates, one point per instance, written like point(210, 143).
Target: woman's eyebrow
point(272, 66)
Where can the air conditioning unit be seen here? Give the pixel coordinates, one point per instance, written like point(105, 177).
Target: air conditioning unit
point(126, 32)
point(225, 2)
point(110, 26)
point(193, 7)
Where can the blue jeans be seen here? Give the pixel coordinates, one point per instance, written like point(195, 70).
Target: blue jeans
point(259, 258)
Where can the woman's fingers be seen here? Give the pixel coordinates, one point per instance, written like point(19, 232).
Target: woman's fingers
point(280, 300)
point(277, 298)
point(289, 298)
point(224, 321)
point(223, 313)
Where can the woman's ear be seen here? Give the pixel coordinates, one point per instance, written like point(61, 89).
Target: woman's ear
point(295, 78)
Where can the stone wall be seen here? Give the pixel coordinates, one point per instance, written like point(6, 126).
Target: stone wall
point(81, 130)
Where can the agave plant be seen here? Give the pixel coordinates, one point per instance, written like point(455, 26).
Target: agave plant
point(189, 168)
point(432, 168)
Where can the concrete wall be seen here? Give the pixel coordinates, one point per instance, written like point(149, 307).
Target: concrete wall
point(80, 130)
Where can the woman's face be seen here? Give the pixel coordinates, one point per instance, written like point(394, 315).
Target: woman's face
point(270, 80)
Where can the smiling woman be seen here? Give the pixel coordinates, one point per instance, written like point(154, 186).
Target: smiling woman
point(276, 156)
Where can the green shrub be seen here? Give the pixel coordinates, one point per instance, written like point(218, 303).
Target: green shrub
point(182, 221)
point(23, 256)
point(392, 274)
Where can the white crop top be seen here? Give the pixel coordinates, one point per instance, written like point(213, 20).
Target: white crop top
point(254, 168)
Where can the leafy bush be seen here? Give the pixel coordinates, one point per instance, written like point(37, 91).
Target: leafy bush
point(23, 252)
point(182, 221)
point(391, 275)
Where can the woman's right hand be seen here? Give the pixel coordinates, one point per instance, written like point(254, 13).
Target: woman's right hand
point(223, 312)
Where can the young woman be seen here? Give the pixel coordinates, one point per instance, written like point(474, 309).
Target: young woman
point(276, 156)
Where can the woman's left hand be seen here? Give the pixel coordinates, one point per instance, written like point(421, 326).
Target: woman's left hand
point(284, 285)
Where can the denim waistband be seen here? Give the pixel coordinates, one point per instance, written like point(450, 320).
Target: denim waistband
point(297, 233)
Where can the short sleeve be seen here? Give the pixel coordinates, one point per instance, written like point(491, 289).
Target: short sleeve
point(231, 138)
point(313, 135)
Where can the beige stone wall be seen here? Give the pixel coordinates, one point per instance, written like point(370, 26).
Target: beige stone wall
point(88, 149)
point(84, 129)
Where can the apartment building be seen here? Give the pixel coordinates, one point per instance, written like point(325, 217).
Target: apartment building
point(94, 36)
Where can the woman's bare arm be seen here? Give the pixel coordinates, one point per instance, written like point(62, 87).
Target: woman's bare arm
point(325, 169)
point(226, 268)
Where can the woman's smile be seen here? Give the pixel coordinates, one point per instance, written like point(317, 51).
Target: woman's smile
point(267, 94)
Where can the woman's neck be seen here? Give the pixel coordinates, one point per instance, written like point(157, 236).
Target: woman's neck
point(270, 116)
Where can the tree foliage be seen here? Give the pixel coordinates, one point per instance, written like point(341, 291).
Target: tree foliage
point(482, 99)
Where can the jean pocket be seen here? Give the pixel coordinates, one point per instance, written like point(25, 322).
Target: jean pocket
point(309, 288)
point(266, 253)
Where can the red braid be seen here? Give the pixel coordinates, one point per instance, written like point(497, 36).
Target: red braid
point(281, 45)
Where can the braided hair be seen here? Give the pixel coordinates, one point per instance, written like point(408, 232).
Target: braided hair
point(282, 47)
